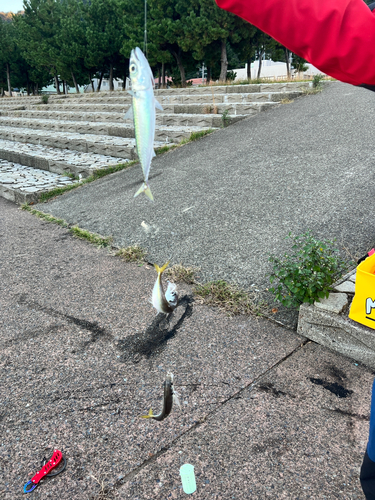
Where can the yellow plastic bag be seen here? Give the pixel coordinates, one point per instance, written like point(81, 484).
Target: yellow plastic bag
point(362, 309)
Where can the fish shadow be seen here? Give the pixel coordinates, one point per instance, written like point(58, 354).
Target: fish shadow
point(153, 340)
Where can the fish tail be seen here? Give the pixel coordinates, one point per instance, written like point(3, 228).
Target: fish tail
point(145, 188)
point(160, 270)
point(149, 415)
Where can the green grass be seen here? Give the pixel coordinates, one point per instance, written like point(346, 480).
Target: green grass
point(94, 238)
point(72, 176)
point(46, 217)
point(195, 136)
point(96, 175)
point(257, 81)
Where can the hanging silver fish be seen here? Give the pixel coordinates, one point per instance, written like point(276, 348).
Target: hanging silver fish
point(170, 398)
point(142, 111)
point(164, 302)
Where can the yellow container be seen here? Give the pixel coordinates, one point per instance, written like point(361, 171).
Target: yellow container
point(362, 309)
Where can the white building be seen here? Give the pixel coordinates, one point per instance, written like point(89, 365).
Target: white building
point(272, 70)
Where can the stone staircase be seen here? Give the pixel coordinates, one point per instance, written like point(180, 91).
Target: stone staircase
point(78, 134)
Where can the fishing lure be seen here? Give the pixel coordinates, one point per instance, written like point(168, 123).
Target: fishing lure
point(170, 397)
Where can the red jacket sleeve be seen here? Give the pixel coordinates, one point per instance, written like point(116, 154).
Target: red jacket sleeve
point(336, 36)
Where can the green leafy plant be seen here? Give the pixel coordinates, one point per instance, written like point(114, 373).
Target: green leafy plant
point(226, 119)
point(231, 75)
point(317, 80)
point(45, 98)
point(307, 274)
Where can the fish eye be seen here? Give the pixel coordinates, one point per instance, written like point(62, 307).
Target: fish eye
point(133, 68)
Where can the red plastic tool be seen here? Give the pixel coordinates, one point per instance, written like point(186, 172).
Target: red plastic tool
point(53, 462)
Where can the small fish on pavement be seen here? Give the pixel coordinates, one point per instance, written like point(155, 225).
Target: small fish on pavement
point(170, 398)
point(164, 302)
point(142, 111)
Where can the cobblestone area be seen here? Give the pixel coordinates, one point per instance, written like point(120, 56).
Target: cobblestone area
point(56, 160)
point(125, 129)
point(20, 183)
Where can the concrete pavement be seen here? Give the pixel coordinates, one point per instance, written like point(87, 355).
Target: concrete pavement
point(265, 414)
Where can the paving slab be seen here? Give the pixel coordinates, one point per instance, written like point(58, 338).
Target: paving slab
point(285, 437)
point(83, 356)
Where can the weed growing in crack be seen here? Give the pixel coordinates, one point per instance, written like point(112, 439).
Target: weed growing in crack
point(227, 297)
point(133, 253)
point(96, 239)
point(307, 274)
point(225, 118)
point(42, 215)
point(286, 100)
point(105, 492)
point(71, 175)
point(181, 274)
point(96, 175)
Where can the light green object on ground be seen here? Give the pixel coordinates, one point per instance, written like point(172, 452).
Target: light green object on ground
point(188, 478)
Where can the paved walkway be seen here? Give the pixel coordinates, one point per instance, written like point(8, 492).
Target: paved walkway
point(228, 201)
point(265, 414)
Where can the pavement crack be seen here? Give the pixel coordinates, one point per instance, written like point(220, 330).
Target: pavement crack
point(235, 396)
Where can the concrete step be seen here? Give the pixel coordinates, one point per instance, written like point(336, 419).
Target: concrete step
point(163, 119)
point(175, 98)
point(85, 143)
point(162, 133)
point(202, 108)
point(217, 89)
point(55, 160)
point(22, 184)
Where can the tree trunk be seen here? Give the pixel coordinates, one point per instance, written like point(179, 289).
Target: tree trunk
point(224, 61)
point(8, 80)
point(260, 56)
point(75, 83)
point(2, 92)
point(124, 82)
point(27, 84)
point(159, 82)
point(57, 84)
point(163, 75)
point(287, 60)
point(248, 68)
point(180, 67)
point(208, 79)
point(36, 89)
point(64, 87)
point(111, 87)
point(100, 82)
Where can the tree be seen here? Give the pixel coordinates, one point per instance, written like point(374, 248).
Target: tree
point(8, 49)
point(37, 33)
point(104, 35)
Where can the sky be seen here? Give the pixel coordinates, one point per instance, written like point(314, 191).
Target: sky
point(11, 5)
